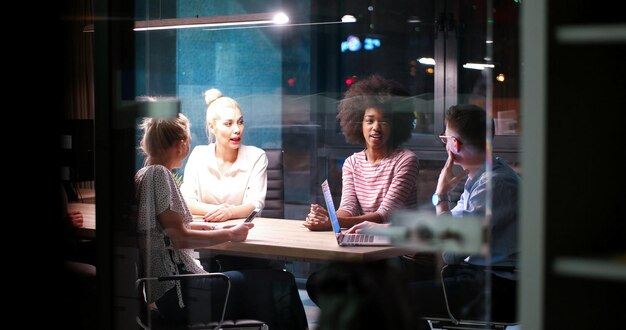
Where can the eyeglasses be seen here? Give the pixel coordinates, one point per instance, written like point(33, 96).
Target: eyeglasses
point(371, 122)
point(444, 138)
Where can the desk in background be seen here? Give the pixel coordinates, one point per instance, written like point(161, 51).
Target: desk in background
point(89, 218)
point(282, 239)
point(86, 195)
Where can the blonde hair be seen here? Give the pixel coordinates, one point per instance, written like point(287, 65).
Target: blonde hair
point(215, 102)
point(161, 134)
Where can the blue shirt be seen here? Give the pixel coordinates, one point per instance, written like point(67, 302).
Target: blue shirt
point(503, 226)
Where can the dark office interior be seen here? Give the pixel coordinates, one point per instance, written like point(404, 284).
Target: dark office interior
point(555, 94)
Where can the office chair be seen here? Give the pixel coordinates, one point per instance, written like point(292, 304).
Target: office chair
point(455, 321)
point(150, 319)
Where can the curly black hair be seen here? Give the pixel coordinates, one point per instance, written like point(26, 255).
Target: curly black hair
point(383, 94)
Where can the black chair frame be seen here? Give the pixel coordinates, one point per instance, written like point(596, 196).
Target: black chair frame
point(454, 322)
point(150, 317)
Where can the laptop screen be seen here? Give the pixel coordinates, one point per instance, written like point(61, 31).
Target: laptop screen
point(330, 206)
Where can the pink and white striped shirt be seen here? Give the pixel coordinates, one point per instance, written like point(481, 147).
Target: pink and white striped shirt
point(382, 187)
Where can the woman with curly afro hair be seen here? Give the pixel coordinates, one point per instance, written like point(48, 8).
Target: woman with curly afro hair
point(378, 114)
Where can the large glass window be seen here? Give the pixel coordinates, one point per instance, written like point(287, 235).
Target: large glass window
point(288, 78)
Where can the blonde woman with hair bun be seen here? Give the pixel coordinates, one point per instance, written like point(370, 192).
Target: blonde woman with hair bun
point(224, 179)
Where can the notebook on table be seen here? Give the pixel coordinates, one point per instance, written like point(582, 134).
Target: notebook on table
point(349, 239)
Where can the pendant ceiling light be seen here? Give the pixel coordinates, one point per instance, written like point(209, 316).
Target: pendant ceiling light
point(257, 19)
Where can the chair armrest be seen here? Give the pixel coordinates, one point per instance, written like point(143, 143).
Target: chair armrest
point(464, 265)
point(182, 277)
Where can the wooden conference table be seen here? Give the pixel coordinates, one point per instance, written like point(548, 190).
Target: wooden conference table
point(278, 239)
point(283, 239)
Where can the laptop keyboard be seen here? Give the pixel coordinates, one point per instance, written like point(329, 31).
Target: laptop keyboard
point(359, 238)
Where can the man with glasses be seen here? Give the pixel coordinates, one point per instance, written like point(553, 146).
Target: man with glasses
point(465, 142)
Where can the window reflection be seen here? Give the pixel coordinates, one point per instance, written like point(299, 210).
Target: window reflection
point(289, 79)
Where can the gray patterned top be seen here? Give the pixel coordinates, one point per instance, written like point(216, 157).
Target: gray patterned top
point(156, 192)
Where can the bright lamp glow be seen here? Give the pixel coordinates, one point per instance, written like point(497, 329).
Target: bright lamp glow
point(348, 19)
point(478, 66)
point(427, 60)
point(281, 18)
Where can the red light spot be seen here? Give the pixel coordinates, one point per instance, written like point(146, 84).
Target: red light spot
point(291, 81)
point(350, 80)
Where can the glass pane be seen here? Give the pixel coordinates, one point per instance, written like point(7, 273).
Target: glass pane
point(288, 79)
point(488, 75)
point(493, 41)
point(397, 40)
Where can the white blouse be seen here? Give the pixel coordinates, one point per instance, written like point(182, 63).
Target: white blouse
point(245, 182)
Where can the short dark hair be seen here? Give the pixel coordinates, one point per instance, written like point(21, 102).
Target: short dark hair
point(386, 95)
point(470, 122)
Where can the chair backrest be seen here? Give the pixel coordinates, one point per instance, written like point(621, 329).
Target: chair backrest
point(274, 199)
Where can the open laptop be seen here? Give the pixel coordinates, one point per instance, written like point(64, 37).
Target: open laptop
point(349, 239)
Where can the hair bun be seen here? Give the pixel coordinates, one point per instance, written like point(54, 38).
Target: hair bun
point(212, 95)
